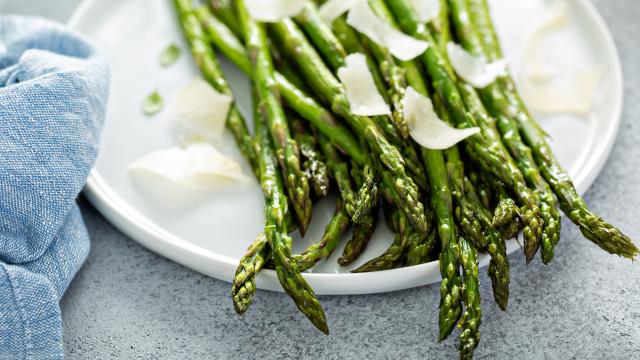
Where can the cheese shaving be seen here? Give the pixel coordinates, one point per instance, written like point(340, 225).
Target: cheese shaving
point(273, 10)
point(199, 112)
point(474, 70)
point(360, 87)
point(547, 89)
point(178, 175)
point(333, 9)
point(426, 128)
point(404, 47)
point(574, 95)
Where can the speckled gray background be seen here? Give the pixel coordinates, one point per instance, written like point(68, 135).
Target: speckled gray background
point(127, 302)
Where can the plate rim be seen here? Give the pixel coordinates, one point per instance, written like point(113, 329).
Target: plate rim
point(132, 224)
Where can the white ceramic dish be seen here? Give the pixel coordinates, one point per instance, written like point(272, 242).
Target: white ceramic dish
point(209, 237)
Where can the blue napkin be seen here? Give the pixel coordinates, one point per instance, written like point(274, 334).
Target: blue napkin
point(53, 91)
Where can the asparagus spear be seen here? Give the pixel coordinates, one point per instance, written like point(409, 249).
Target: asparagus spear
point(332, 234)
point(508, 126)
point(362, 233)
point(251, 263)
point(286, 147)
point(275, 231)
point(243, 286)
point(421, 248)
point(314, 166)
point(466, 111)
point(320, 78)
point(450, 288)
point(365, 218)
point(594, 228)
point(275, 199)
point(404, 235)
point(207, 62)
point(470, 322)
point(506, 216)
point(367, 195)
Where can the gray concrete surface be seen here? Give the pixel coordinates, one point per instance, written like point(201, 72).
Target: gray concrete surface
point(127, 302)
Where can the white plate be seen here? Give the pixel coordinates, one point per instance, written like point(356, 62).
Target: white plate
point(209, 237)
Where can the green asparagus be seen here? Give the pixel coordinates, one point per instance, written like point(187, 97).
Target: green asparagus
point(594, 228)
point(467, 110)
point(470, 322)
point(501, 110)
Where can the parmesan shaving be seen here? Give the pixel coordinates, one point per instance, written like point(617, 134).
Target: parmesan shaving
point(536, 68)
point(273, 10)
point(402, 46)
point(474, 70)
point(361, 89)
point(426, 128)
point(426, 10)
point(333, 9)
point(199, 112)
point(178, 175)
point(545, 87)
point(574, 95)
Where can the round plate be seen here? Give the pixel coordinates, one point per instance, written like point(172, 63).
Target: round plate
point(211, 235)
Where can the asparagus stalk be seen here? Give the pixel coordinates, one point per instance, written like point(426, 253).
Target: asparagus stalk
point(275, 231)
point(320, 78)
point(470, 322)
point(367, 195)
point(314, 166)
point(594, 228)
point(466, 111)
point(365, 218)
point(243, 286)
point(362, 233)
point(332, 234)
point(273, 188)
point(286, 147)
point(404, 235)
point(421, 248)
point(508, 127)
point(450, 287)
point(251, 263)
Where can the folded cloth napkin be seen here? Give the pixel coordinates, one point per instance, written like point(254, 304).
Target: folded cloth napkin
point(53, 91)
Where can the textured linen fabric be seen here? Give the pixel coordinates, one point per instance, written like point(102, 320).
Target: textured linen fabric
point(53, 91)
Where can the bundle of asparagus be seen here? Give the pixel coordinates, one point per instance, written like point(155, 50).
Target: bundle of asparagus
point(447, 204)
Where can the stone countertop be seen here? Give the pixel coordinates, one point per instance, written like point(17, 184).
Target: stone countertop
point(127, 302)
